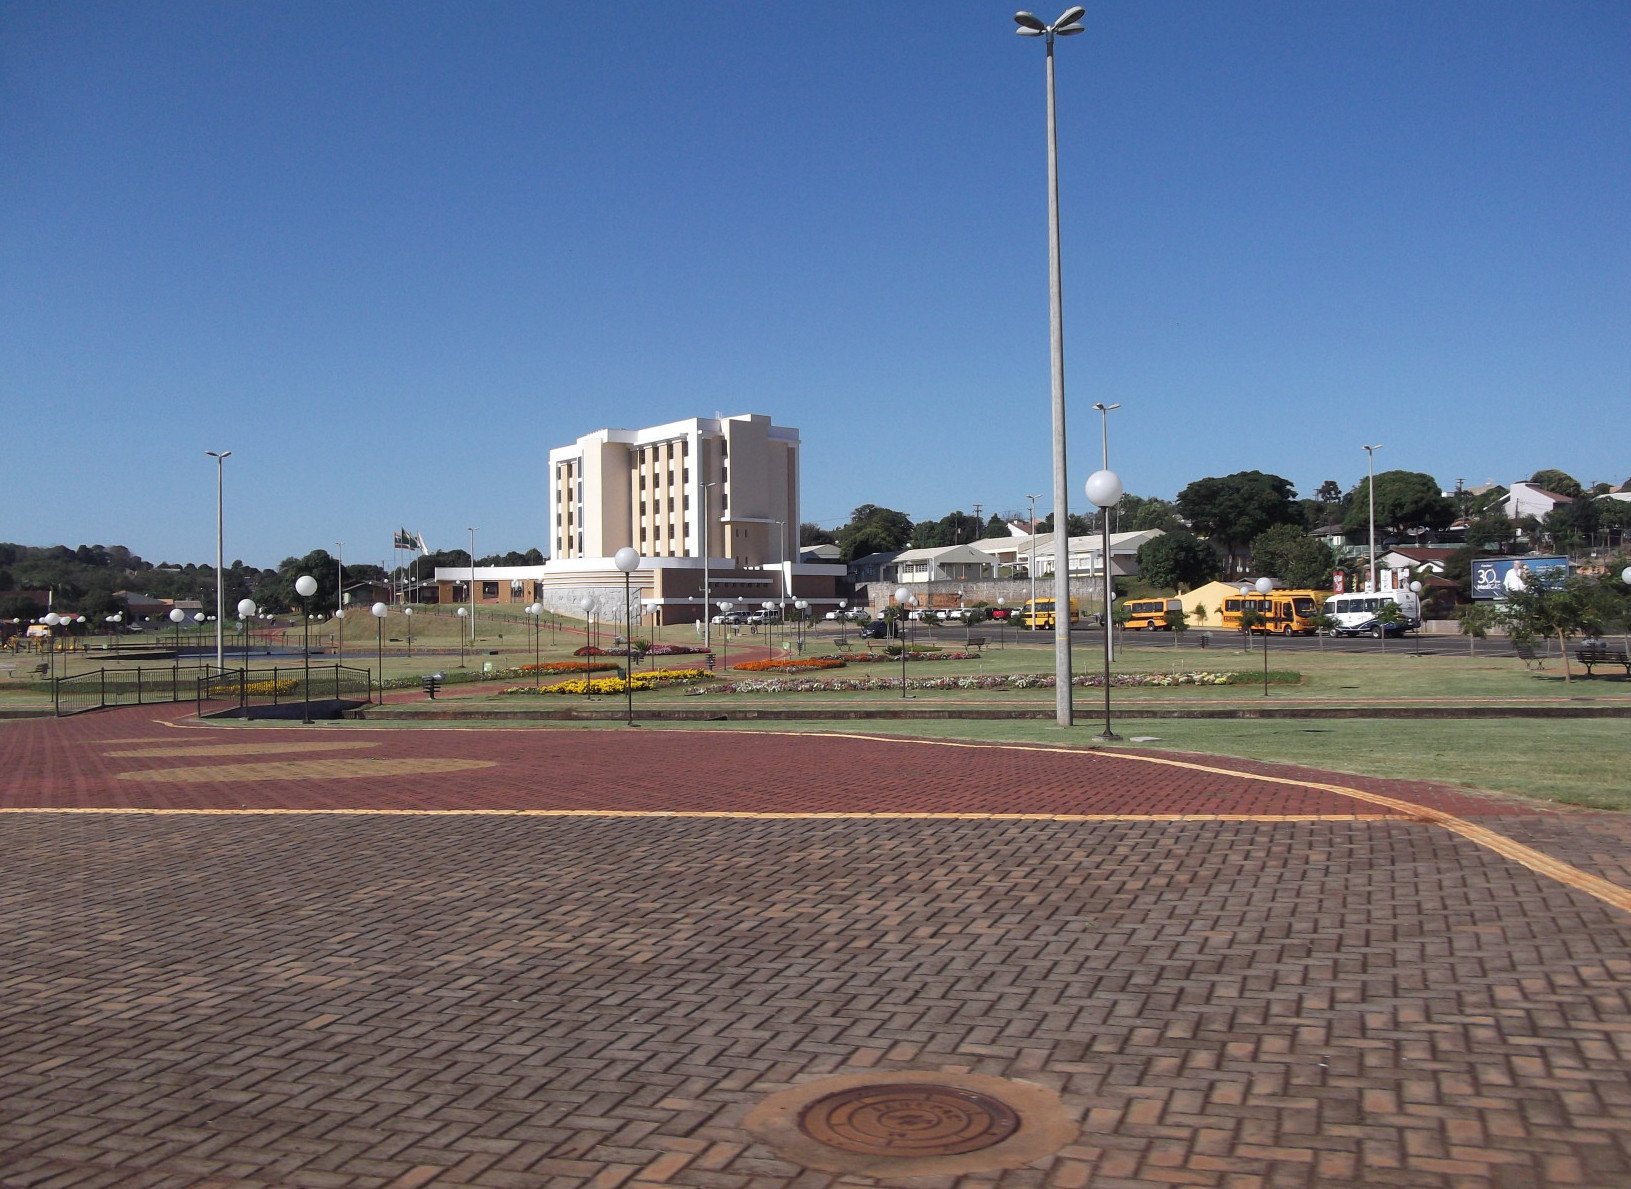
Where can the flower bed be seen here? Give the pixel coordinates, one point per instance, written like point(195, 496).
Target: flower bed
point(892, 655)
point(803, 662)
point(810, 685)
point(651, 679)
point(568, 667)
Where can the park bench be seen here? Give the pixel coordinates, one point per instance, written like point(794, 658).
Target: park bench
point(432, 682)
point(975, 643)
point(41, 669)
point(1526, 654)
point(1597, 652)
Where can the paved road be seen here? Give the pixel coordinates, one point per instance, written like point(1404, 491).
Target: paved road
point(332, 956)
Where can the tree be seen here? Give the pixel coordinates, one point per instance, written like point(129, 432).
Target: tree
point(1329, 492)
point(1178, 560)
point(997, 526)
point(811, 533)
point(872, 529)
point(956, 528)
point(1557, 609)
point(1076, 525)
point(1288, 553)
point(1235, 509)
point(1405, 501)
point(1476, 620)
point(1560, 482)
point(1137, 514)
point(1572, 525)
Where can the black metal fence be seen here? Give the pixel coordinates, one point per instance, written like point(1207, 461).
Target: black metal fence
point(318, 690)
point(123, 685)
point(212, 689)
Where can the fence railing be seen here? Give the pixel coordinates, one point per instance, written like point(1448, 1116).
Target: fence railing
point(135, 685)
point(282, 685)
point(125, 685)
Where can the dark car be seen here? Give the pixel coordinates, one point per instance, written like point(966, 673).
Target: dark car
point(878, 629)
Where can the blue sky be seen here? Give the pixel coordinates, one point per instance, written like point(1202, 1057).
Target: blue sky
point(390, 254)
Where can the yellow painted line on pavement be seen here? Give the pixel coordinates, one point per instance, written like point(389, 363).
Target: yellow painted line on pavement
point(1526, 856)
point(737, 814)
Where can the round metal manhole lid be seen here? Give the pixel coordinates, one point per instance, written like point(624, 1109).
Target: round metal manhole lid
point(908, 1120)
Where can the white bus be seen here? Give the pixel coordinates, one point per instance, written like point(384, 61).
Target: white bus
point(1356, 614)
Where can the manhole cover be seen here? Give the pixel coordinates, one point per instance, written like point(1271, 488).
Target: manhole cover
point(906, 1119)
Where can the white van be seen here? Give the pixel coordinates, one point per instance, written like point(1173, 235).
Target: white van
point(1355, 614)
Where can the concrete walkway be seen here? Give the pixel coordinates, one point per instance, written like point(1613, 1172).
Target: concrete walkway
point(320, 956)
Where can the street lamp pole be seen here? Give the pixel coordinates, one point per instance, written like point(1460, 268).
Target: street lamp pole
point(1033, 499)
point(305, 586)
point(472, 588)
point(1031, 26)
point(1264, 586)
point(707, 616)
point(379, 610)
point(1370, 490)
point(588, 606)
point(1109, 583)
point(1104, 492)
point(627, 559)
point(902, 595)
point(220, 456)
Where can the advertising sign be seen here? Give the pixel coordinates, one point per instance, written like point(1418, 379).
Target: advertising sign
point(1492, 577)
point(1339, 582)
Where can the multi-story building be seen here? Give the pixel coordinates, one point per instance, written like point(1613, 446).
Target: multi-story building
point(727, 486)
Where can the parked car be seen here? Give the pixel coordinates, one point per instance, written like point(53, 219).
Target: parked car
point(730, 617)
point(878, 629)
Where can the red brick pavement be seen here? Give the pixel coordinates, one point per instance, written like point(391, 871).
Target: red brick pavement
point(458, 999)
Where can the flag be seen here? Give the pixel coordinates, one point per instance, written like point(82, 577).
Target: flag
point(424, 549)
point(404, 540)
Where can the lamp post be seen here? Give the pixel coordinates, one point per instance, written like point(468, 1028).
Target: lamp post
point(1033, 499)
point(463, 615)
point(588, 606)
point(1109, 584)
point(1264, 585)
point(305, 586)
point(707, 617)
point(52, 619)
point(339, 619)
point(627, 559)
point(177, 615)
point(1002, 622)
point(1104, 492)
point(246, 612)
point(801, 606)
point(902, 595)
point(379, 610)
point(408, 611)
point(1031, 26)
point(1370, 491)
point(1421, 621)
point(220, 456)
point(725, 608)
point(536, 610)
point(472, 533)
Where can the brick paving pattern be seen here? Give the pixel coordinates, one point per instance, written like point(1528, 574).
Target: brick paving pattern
point(462, 999)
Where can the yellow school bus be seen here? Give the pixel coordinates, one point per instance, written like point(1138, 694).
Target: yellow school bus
point(1149, 615)
point(1282, 612)
point(1038, 613)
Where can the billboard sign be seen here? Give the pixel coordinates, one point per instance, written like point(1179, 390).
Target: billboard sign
point(1492, 577)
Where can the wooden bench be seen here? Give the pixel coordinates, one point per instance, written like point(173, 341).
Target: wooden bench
point(975, 643)
point(42, 669)
point(1596, 652)
point(1526, 654)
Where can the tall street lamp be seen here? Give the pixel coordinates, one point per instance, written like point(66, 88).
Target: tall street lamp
point(1067, 25)
point(1104, 492)
point(1370, 490)
point(379, 610)
point(305, 586)
point(627, 559)
point(220, 456)
point(707, 616)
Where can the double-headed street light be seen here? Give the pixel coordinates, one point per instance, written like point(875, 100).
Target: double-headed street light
point(1067, 25)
